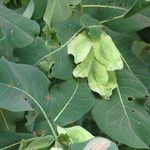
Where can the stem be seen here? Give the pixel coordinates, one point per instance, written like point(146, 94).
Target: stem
point(102, 6)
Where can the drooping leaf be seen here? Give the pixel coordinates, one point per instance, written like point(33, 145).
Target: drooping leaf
point(20, 34)
point(82, 70)
point(107, 54)
point(101, 81)
point(124, 117)
point(80, 47)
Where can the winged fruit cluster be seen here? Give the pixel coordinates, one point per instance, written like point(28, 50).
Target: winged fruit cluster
point(97, 60)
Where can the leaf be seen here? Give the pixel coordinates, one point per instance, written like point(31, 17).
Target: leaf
point(101, 81)
point(82, 70)
point(74, 2)
point(79, 47)
point(18, 84)
point(72, 99)
point(124, 117)
point(83, 135)
point(37, 143)
point(104, 10)
point(29, 10)
point(53, 14)
point(20, 34)
point(39, 9)
point(135, 65)
point(6, 46)
point(9, 138)
point(136, 7)
point(32, 53)
point(8, 120)
point(88, 22)
point(37, 51)
point(107, 53)
point(98, 142)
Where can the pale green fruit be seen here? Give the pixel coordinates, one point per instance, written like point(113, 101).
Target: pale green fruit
point(80, 47)
point(107, 53)
point(101, 81)
point(82, 70)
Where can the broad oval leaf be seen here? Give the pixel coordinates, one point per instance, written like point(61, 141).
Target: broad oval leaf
point(21, 29)
point(19, 83)
point(124, 117)
point(72, 99)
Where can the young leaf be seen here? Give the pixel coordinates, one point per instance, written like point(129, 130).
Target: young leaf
point(79, 47)
point(101, 81)
point(107, 54)
point(82, 70)
point(77, 134)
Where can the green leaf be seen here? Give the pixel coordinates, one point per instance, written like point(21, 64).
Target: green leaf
point(39, 9)
point(137, 6)
point(29, 10)
point(77, 134)
point(72, 99)
point(20, 34)
point(107, 53)
point(8, 120)
point(101, 81)
point(135, 65)
point(37, 143)
point(82, 70)
point(6, 46)
point(98, 142)
point(53, 14)
point(9, 140)
point(80, 47)
point(74, 2)
point(110, 10)
point(124, 117)
point(87, 21)
point(19, 83)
